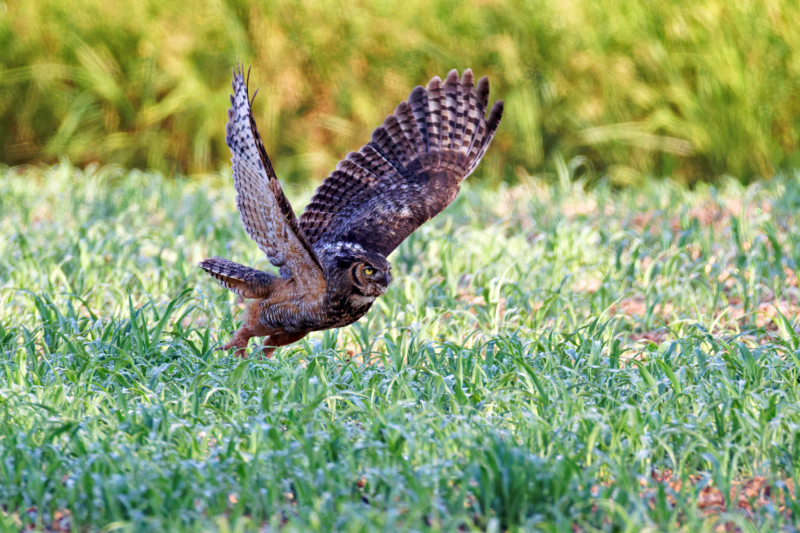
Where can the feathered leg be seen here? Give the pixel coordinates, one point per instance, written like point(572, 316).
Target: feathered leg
point(239, 341)
point(274, 341)
point(251, 327)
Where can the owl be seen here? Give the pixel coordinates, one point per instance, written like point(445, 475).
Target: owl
point(332, 261)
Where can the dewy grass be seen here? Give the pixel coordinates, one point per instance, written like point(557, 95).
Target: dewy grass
point(545, 360)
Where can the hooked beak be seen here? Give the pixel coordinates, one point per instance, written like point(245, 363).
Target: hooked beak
point(387, 279)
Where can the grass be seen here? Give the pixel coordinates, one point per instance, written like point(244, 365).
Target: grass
point(545, 360)
point(692, 90)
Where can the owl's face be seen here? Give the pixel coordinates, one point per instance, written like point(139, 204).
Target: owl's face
point(355, 274)
point(370, 278)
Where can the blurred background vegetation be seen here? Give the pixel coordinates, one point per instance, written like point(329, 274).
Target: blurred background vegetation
point(691, 89)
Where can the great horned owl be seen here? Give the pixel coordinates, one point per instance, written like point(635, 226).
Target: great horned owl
point(332, 260)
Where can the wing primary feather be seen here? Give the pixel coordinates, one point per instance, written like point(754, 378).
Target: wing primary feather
point(398, 125)
point(449, 109)
point(381, 139)
point(394, 163)
point(482, 96)
point(391, 140)
point(376, 160)
point(434, 113)
point(462, 109)
point(495, 115)
point(434, 90)
point(410, 170)
point(418, 101)
point(482, 100)
point(471, 116)
point(408, 127)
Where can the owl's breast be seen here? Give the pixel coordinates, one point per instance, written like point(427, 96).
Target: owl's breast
point(343, 311)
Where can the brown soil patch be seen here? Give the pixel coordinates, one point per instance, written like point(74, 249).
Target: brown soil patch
point(746, 494)
point(656, 337)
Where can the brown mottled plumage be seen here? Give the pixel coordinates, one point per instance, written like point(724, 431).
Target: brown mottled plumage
point(332, 261)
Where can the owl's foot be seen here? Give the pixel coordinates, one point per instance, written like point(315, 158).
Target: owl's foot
point(241, 351)
point(268, 350)
point(239, 341)
point(272, 342)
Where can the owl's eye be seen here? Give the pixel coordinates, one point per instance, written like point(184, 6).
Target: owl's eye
point(369, 271)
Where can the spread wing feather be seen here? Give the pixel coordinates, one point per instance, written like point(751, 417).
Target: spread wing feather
point(265, 212)
point(411, 169)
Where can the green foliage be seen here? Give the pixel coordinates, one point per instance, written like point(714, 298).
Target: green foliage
point(692, 90)
point(498, 385)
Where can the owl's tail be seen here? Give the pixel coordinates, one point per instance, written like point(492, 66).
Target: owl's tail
point(443, 127)
point(245, 281)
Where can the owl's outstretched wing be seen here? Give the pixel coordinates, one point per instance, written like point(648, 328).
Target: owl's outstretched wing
point(265, 212)
point(411, 169)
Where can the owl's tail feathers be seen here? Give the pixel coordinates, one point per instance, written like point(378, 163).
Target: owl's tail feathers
point(443, 126)
point(245, 281)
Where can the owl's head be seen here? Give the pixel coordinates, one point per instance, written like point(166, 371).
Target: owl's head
point(370, 278)
point(367, 274)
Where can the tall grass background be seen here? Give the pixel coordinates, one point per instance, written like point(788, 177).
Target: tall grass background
point(693, 90)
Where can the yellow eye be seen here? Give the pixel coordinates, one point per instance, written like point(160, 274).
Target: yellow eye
point(369, 271)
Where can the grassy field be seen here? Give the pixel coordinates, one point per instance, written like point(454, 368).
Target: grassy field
point(691, 90)
point(545, 360)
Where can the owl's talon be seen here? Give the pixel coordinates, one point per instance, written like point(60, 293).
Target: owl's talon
point(239, 343)
point(228, 345)
point(238, 352)
point(268, 351)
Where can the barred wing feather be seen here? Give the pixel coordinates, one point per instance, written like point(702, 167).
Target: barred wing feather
point(411, 169)
point(265, 212)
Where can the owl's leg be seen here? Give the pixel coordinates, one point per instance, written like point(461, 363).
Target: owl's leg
point(239, 341)
point(250, 328)
point(280, 339)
